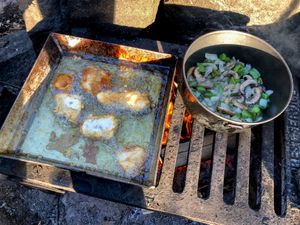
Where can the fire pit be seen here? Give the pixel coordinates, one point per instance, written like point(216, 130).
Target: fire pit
point(210, 177)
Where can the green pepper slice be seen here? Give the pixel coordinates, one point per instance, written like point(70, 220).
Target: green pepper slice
point(200, 88)
point(208, 94)
point(254, 73)
point(246, 114)
point(224, 57)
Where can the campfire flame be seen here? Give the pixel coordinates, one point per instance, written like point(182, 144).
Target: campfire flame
point(169, 114)
point(168, 122)
point(185, 134)
point(187, 120)
point(187, 124)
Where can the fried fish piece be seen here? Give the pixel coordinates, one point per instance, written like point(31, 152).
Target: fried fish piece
point(94, 79)
point(68, 105)
point(63, 82)
point(102, 126)
point(132, 100)
point(132, 160)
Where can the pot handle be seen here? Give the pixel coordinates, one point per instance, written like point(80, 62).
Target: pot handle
point(234, 126)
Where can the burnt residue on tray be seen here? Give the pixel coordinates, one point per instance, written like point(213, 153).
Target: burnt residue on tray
point(63, 143)
point(90, 150)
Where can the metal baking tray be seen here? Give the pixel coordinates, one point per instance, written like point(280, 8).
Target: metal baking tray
point(27, 126)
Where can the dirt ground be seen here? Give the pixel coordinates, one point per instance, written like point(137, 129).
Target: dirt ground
point(26, 206)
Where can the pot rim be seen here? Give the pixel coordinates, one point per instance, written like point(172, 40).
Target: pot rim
point(257, 39)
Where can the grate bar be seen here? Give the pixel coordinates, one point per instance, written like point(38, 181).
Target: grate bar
point(172, 145)
point(267, 169)
point(243, 167)
point(292, 149)
point(194, 161)
point(293, 215)
point(218, 170)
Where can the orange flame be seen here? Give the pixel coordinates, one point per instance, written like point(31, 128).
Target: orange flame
point(168, 122)
point(187, 122)
point(187, 119)
point(169, 113)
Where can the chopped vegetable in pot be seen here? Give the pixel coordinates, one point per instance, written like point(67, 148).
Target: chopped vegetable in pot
point(231, 88)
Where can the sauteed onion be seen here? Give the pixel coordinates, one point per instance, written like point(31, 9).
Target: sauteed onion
point(229, 87)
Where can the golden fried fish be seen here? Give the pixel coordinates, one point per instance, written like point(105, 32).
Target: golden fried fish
point(69, 106)
point(132, 100)
point(63, 82)
point(94, 79)
point(102, 126)
point(132, 160)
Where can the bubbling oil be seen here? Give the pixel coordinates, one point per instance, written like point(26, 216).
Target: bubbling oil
point(134, 129)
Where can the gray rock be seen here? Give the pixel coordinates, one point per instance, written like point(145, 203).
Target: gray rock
point(16, 58)
point(259, 12)
point(298, 181)
point(285, 37)
point(183, 23)
point(189, 19)
point(137, 14)
point(2, 177)
point(43, 15)
point(276, 22)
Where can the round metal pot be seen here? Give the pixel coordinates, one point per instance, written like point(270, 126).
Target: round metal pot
point(249, 49)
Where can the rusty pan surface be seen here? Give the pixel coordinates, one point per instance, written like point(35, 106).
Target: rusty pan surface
point(33, 132)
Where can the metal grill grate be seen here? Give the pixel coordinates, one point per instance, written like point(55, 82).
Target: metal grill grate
point(274, 201)
point(214, 208)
